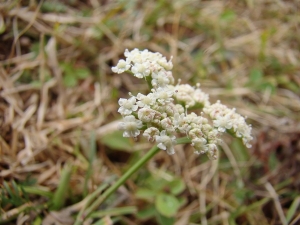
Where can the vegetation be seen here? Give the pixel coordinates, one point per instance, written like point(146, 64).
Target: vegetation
point(60, 147)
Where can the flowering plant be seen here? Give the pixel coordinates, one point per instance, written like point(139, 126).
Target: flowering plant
point(162, 114)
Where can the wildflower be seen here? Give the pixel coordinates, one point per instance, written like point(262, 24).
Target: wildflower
point(164, 111)
point(163, 95)
point(130, 126)
point(212, 151)
point(150, 133)
point(168, 65)
point(223, 122)
point(184, 95)
point(160, 79)
point(180, 123)
point(146, 115)
point(166, 142)
point(127, 106)
point(121, 67)
point(146, 101)
point(201, 98)
point(167, 124)
point(140, 70)
point(199, 145)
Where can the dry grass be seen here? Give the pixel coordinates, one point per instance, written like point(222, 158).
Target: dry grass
point(245, 53)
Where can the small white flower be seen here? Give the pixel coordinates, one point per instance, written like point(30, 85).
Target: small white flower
point(121, 67)
point(199, 145)
point(181, 123)
point(164, 95)
point(130, 126)
point(166, 142)
point(223, 122)
point(150, 133)
point(168, 65)
point(201, 98)
point(184, 94)
point(212, 151)
point(216, 109)
point(179, 108)
point(195, 133)
point(133, 56)
point(140, 70)
point(127, 106)
point(167, 124)
point(160, 79)
point(213, 136)
point(145, 101)
point(146, 115)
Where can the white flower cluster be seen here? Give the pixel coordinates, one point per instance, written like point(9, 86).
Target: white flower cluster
point(162, 113)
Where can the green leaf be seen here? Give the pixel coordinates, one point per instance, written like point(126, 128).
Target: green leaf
point(162, 220)
point(147, 212)
point(228, 15)
point(82, 73)
point(61, 193)
point(256, 76)
point(2, 25)
point(144, 193)
point(49, 6)
point(38, 221)
point(70, 80)
point(177, 186)
point(292, 210)
point(156, 184)
point(267, 86)
point(167, 204)
point(115, 140)
point(273, 161)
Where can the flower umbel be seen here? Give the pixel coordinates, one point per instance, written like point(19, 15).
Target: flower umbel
point(130, 126)
point(162, 113)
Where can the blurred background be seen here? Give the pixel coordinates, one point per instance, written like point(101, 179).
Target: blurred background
point(59, 140)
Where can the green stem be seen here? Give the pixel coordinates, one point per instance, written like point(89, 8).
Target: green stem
point(149, 79)
point(123, 179)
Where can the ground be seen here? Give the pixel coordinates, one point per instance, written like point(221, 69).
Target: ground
point(59, 138)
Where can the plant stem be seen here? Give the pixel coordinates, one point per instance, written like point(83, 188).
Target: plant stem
point(122, 180)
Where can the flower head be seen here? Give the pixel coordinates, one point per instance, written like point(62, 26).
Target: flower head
point(150, 133)
point(166, 142)
point(164, 110)
point(127, 106)
point(130, 126)
point(121, 67)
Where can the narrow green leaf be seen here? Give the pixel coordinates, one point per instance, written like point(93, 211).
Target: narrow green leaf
point(292, 210)
point(163, 220)
point(38, 190)
point(115, 140)
point(16, 188)
point(82, 73)
point(92, 155)
point(228, 15)
point(147, 212)
point(144, 193)
point(273, 161)
point(115, 212)
point(61, 193)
